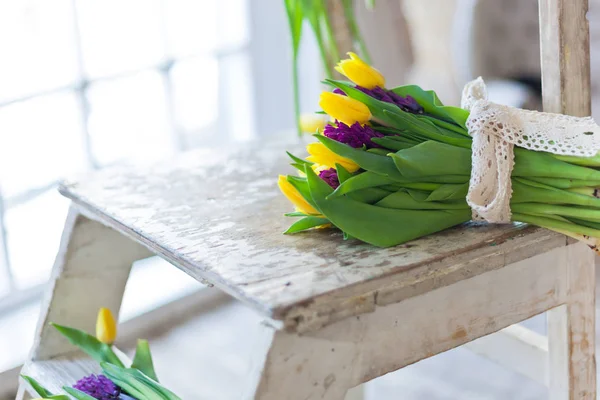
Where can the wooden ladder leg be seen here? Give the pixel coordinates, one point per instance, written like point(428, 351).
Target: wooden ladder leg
point(571, 331)
point(293, 367)
point(91, 270)
point(22, 394)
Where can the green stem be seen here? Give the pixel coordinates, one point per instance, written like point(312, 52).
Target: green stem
point(565, 211)
point(553, 224)
point(324, 58)
point(354, 31)
point(583, 161)
point(296, 86)
point(335, 52)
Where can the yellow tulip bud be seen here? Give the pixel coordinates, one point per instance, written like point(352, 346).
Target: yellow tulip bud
point(360, 72)
point(320, 154)
point(295, 197)
point(313, 123)
point(344, 108)
point(106, 326)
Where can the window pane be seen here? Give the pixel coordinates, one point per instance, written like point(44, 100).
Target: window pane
point(191, 26)
point(4, 272)
point(120, 35)
point(41, 141)
point(234, 27)
point(33, 232)
point(36, 43)
point(128, 119)
point(196, 96)
point(237, 117)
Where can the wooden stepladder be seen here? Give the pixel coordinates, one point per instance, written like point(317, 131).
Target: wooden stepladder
point(337, 313)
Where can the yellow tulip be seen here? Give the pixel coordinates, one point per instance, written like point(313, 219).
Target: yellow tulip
point(106, 326)
point(344, 108)
point(360, 72)
point(313, 123)
point(320, 154)
point(295, 197)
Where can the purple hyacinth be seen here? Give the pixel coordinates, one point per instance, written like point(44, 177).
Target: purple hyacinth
point(408, 103)
point(355, 135)
point(330, 176)
point(99, 387)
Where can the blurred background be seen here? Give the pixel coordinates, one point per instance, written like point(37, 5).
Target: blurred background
point(86, 84)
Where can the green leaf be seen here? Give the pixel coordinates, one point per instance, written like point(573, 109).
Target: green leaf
point(78, 394)
point(360, 181)
point(431, 104)
point(410, 200)
point(450, 192)
point(296, 214)
point(143, 359)
point(378, 151)
point(299, 167)
point(135, 381)
point(391, 144)
point(166, 393)
point(40, 390)
point(295, 19)
point(306, 223)
point(382, 165)
point(424, 128)
point(314, 10)
point(368, 196)
point(99, 351)
point(343, 174)
point(380, 226)
point(301, 186)
point(355, 33)
point(299, 160)
point(432, 159)
point(129, 384)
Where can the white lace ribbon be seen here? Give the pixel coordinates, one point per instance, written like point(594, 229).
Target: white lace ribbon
point(496, 129)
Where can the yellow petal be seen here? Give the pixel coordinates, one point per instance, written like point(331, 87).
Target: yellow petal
point(354, 57)
point(294, 196)
point(106, 326)
point(344, 108)
point(320, 154)
point(360, 72)
point(313, 123)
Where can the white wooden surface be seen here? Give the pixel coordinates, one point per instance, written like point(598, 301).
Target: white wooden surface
point(91, 269)
point(564, 34)
point(324, 364)
point(565, 49)
point(218, 215)
point(571, 332)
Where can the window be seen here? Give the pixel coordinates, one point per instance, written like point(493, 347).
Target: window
point(85, 84)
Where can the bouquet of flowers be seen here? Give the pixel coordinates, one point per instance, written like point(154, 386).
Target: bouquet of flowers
point(138, 382)
point(396, 164)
